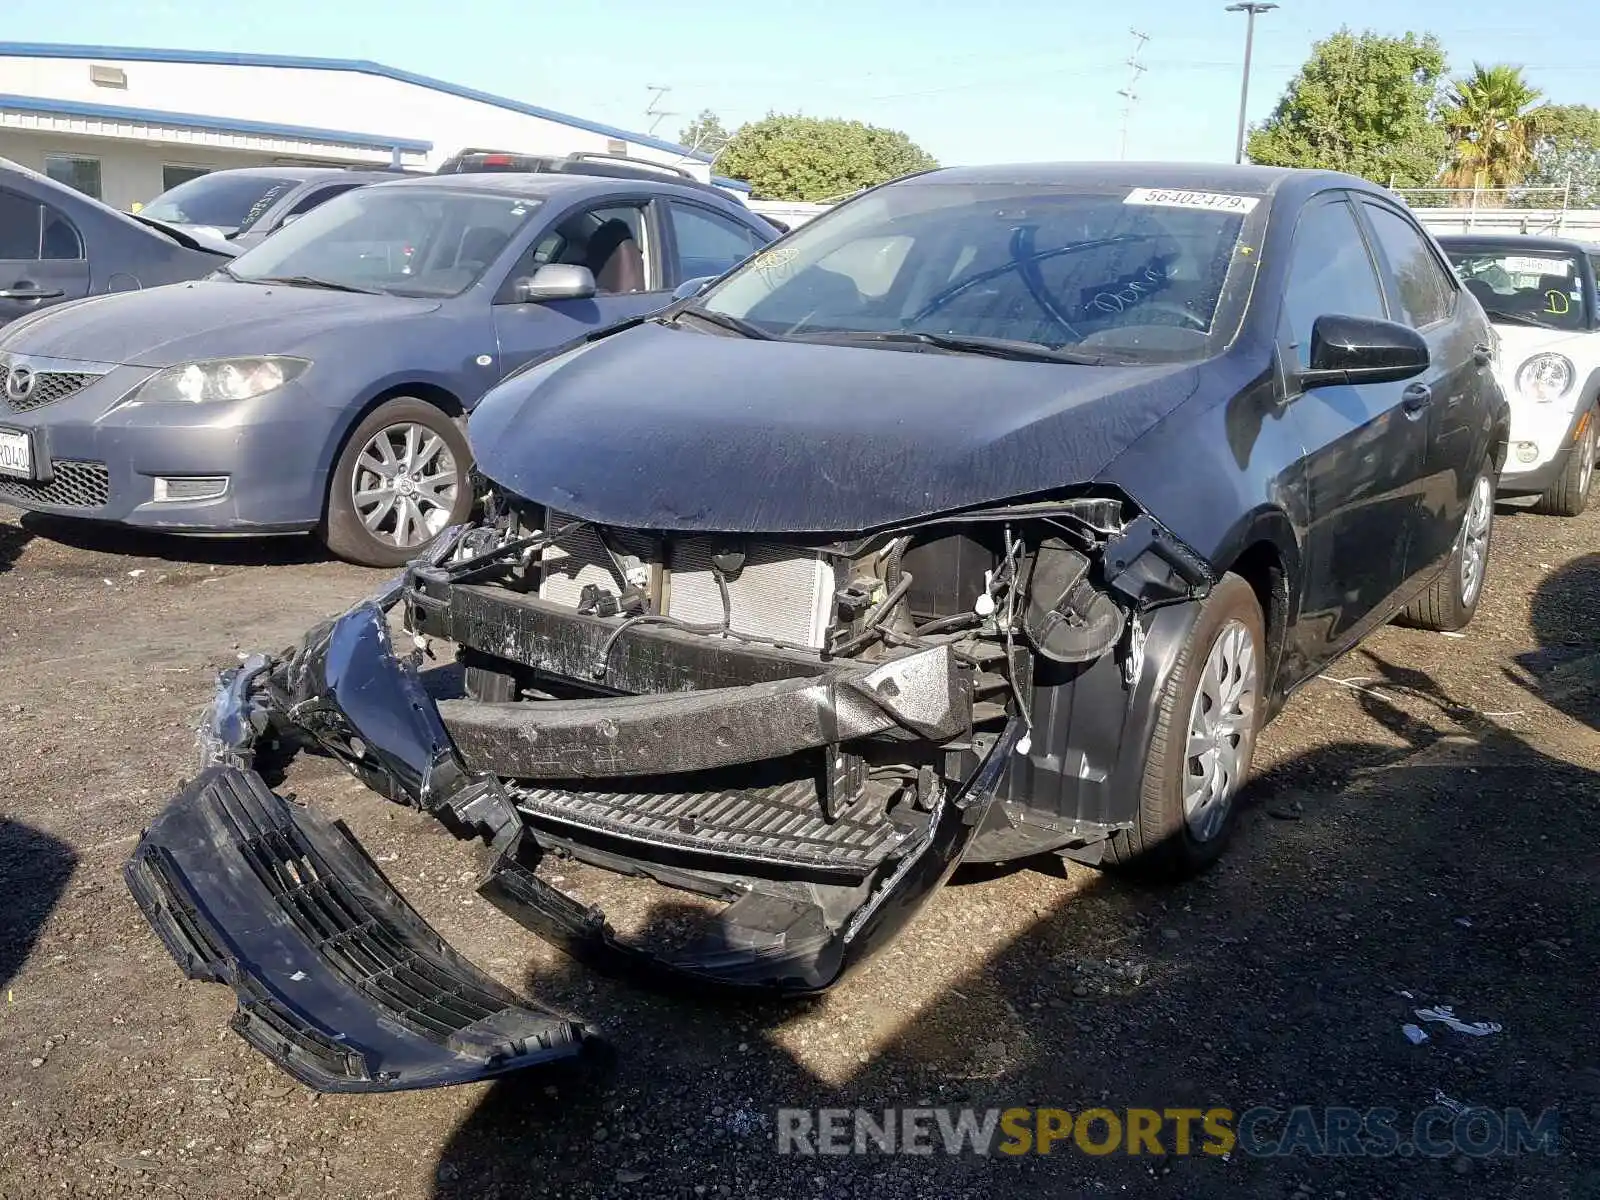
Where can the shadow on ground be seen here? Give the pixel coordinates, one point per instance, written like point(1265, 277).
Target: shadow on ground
point(34, 870)
point(283, 550)
point(1451, 863)
point(12, 539)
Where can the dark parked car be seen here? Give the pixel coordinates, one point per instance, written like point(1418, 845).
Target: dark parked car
point(989, 515)
point(57, 244)
point(319, 383)
point(245, 204)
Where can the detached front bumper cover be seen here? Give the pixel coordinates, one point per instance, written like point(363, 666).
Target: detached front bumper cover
point(346, 987)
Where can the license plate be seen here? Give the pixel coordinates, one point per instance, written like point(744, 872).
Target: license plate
point(16, 454)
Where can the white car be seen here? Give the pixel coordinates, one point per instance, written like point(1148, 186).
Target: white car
point(1539, 293)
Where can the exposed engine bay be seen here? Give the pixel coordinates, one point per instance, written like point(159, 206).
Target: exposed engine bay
point(812, 734)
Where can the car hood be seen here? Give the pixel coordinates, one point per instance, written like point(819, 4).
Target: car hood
point(1520, 341)
point(182, 322)
point(669, 429)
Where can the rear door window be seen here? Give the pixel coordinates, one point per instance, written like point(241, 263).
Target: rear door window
point(709, 243)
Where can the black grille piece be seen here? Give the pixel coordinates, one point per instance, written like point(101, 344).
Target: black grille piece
point(780, 825)
point(50, 386)
point(338, 980)
point(76, 485)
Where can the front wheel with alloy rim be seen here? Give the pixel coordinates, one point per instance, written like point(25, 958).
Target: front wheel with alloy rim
point(1569, 495)
point(400, 481)
point(1452, 598)
point(1204, 736)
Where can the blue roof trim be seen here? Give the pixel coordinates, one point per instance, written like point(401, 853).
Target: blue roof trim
point(229, 59)
point(299, 133)
point(733, 185)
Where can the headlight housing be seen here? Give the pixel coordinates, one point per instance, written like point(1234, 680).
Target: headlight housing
point(1545, 377)
point(218, 379)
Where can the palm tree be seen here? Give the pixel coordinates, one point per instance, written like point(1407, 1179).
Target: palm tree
point(1493, 126)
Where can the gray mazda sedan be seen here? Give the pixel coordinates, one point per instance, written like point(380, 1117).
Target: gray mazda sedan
point(319, 381)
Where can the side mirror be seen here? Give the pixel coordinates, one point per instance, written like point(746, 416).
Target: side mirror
point(690, 288)
point(556, 281)
point(290, 219)
point(1348, 350)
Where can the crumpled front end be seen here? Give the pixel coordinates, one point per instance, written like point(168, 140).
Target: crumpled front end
point(808, 738)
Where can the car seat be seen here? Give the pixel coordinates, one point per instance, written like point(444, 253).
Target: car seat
point(614, 258)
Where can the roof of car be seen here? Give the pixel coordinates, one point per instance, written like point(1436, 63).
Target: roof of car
point(1192, 176)
point(1519, 241)
point(542, 185)
point(292, 171)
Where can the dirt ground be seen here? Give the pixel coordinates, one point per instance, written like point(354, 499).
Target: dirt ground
point(1437, 834)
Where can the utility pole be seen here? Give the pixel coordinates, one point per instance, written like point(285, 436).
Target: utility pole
point(652, 110)
point(1253, 9)
point(1128, 94)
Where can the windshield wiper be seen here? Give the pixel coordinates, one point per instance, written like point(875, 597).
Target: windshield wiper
point(1010, 348)
point(734, 324)
point(312, 281)
point(225, 269)
point(1520, 319)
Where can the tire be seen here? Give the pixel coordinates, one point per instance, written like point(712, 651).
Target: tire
point(437, 494)
point(1451, 599)
point(1172, 837)
point(1569, 495)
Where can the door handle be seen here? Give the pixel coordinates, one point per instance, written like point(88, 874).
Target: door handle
point(1416, 398)
point(1482, 355)
point(30, 293)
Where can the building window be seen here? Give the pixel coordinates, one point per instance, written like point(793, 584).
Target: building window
point(173, 174)
point(75, 172)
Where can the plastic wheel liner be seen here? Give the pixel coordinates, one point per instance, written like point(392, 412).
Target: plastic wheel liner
point(346, 987)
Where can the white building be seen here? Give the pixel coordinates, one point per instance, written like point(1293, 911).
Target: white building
point(126, 124)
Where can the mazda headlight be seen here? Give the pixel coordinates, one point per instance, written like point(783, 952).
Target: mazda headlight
point(1545, 377)
point(218, 379)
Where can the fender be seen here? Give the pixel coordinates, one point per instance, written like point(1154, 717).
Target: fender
point(1079, 781)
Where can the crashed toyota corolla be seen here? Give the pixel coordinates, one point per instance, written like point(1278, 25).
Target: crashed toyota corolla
point(988, 516)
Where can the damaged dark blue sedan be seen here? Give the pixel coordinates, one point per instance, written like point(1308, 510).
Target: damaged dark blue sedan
point(990, 515)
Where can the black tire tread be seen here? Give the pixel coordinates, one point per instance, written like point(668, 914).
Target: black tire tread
point(1157, 844)
point(1564, 497)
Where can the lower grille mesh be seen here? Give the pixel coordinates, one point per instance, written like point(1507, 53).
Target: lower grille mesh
point(76, 485)
point(782, 824)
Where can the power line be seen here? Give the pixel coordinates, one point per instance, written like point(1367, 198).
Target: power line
point(653, 110)
point(1129, 96)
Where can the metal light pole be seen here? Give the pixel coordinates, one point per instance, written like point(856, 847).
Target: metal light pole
point(1252, 9)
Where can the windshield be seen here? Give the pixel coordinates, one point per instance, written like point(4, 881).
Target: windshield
point(400, 239)
point(226, 200)
point(1524, 286)
point(1121, 274)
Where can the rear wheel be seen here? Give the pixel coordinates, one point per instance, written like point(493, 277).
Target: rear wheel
point(1451, 600)
point(400, 482)
point(1569, 495)
point(1204, 737)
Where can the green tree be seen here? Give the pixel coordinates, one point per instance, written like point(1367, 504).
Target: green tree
point(1566, 153)
point(705, 133)
point(1493, 126)
point(1364, 104)
point(809, 158)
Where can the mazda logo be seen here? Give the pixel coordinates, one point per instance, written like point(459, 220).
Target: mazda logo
point(19, 383)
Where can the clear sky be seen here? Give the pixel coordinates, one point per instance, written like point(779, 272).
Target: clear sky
point(1009, 80)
